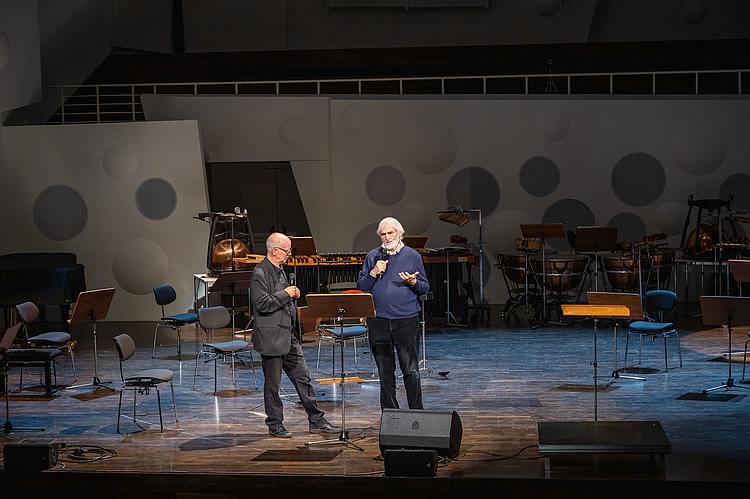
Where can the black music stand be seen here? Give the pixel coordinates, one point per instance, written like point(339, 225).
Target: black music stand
point(92, 306)
point(230, 281)
point(303, 246)
point(726, 311)
point(341, 306)
point(543, 232)
point(633, 302)
point(5, 343)
point(593, 239)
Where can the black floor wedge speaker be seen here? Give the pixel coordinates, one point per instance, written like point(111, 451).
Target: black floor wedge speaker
point(420, 429)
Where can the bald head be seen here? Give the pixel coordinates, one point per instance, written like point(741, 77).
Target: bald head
point(277, 240)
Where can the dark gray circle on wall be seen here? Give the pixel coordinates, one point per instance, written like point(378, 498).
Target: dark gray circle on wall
point(737, 185)
point(472, 188)
point(638, 179)
point(60, 213)
point(571, 213)
point(366, 239)
point(630, 227)
point(385, 185)
point(539, 176)
point(155, 198)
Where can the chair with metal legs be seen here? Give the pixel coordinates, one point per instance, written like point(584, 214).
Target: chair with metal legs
point(141, 381)
point(211, 319)
point(29, 314)
point(655, 303)
point(165, 295)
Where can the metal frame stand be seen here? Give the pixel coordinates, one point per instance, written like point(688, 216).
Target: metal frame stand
point(423, 364)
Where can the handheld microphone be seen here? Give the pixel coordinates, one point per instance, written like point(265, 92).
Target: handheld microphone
point(292, 279)
point(383, 256)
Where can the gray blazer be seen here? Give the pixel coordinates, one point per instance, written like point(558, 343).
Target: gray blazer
point(273, 310)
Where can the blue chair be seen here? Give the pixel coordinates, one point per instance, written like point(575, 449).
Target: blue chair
point(165, 295)
point(655, 303)
point(28, 312)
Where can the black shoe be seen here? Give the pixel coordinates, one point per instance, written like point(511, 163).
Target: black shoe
point(280, 432)
point(325, 427)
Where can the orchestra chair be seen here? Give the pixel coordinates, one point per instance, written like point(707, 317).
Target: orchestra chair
point(211, 319)
point(655, 303)
point(141, 381)
point(29, 314)
point(354, 329)
point(165, 295)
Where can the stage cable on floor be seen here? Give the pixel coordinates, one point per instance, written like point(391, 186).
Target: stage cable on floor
point(75, 453)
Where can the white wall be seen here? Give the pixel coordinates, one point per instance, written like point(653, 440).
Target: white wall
point(105, 225)
point(434, 146)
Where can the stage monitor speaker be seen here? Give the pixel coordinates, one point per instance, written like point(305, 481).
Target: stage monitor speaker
point(420, 429)
point(29, 458)
point(410, 462)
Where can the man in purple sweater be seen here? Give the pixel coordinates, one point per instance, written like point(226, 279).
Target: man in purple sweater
point(395, 276)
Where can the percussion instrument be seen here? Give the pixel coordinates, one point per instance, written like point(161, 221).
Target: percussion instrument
point(561, 272)
point(225, 250)
point(701, 242)
point(513, 265)
point(662, 261)
point(622, 270)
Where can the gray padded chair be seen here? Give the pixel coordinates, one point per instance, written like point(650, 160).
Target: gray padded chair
point(141, 381)
point(29, 314)
point(211, 319)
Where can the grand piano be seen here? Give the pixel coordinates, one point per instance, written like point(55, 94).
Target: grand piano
point(47, 279)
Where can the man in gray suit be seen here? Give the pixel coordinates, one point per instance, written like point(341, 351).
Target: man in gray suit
point(273, 337)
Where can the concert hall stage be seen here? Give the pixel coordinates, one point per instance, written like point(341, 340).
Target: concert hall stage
point(501, 380)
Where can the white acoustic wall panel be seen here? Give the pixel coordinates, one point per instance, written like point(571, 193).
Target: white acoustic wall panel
point(120, 196)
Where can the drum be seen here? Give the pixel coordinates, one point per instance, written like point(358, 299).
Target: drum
point(513, 265)
point(622, 271)
point(662, 261)
point(700, 243)
point(561, 272)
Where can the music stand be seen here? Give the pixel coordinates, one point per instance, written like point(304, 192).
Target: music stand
point(543, 232)
point(593, 239)
point(92, 306)
point(727, 311)
point(416, 242)
point(596, 312)
point(341, 305)
point(230, 281)
point(304, 245)
point(633, 302)
point(5, 343)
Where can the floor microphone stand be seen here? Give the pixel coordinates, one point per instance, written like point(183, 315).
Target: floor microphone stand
point(423, 364)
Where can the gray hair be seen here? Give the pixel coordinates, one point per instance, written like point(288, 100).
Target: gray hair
point(392, 222)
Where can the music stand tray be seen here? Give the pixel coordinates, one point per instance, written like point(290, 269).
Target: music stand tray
point(303, 246)
point(92, 306)
point(593, 239)
point(341, 306)
point(726, 311)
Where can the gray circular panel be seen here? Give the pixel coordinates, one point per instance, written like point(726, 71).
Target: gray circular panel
point(139, 265)
point(630, 227)
point(638, 179)
point(60, 213)
point(120, 161)
point(356, 119)
point(366, 239)
point(739, 186)
point(156, 198)
point(539, 176)
point(385, 185)
point(571, 213)
point(472, 188)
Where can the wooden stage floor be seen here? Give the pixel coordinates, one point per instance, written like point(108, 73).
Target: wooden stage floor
point(502, 381)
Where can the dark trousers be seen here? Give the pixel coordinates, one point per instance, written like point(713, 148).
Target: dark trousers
point(384, 335)
point(295, 367)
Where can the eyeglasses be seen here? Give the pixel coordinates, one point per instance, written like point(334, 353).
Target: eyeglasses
point(287, 251)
